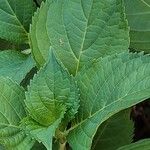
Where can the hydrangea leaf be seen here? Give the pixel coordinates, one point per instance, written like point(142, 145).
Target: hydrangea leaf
point(50, 91)
point(115, 132)
point(41, 133)
point(15, 65)
point(110, 85)
point(79, 31)
point(12, 111)
point(15, 17)
point(39, 39)
point(138, 15)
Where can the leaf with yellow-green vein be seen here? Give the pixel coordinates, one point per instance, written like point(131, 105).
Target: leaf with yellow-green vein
point(50, 89)
point(52, 97)
point(79, 31)
point(107, 87)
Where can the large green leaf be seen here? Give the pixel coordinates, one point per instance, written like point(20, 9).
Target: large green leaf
point(11, 113)
point(141, 145)
point(52, 90)
point(138, 15)
point(15, 17)
point(117, 131)
point(15, 65)
point(79, 31)
point(108, 86)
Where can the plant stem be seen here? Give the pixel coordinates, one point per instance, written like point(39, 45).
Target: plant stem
point(62, 146)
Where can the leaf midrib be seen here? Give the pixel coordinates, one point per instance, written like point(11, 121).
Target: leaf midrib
point(84, 35)
point(16, 17)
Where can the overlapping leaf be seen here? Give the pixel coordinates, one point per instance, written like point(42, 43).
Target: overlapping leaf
point(141, 145)
point(115, 132)
point(11, 113)
point(108, 86)
point(51, 93)
point(15, 17)
point(79, 31)
point(138, 15)
point(41, 133)
point(15, 65)
point(39, 39)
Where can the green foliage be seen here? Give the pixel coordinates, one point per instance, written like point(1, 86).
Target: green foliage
point(139, 20)
point(11, 113)
point(15, 65)
point(114, 132)
point(87, 80)
point(141, 145)
point(15, 17)
point(108, 86)
point(79, 31)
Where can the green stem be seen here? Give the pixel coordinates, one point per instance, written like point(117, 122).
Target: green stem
point(62, 146)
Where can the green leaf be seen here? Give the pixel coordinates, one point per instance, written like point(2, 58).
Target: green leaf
point(39, 39)
point(15, 17)
point(107, 87)
point(80, 31)
point(115, 132)
point(15, 65)
point(11, 113)
point(41, 133)
point(138, 15)
point(140, 145)
point(50, 93)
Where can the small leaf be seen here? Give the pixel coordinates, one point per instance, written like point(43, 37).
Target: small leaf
point(79, 31)
point(107, 87)
point(15, 65)
point(41, 133)
point(51, 91)
point(15, 17)
point(138, 15)
point(12, 112)
point(115, 132)
point(140, 145)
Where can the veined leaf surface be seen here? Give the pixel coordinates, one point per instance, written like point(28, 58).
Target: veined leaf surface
point(107, 87)
point(138, 15)
point(11, 113)
point(80, 31)
point(51, 92)
point(15, 17)
point(15, 65)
